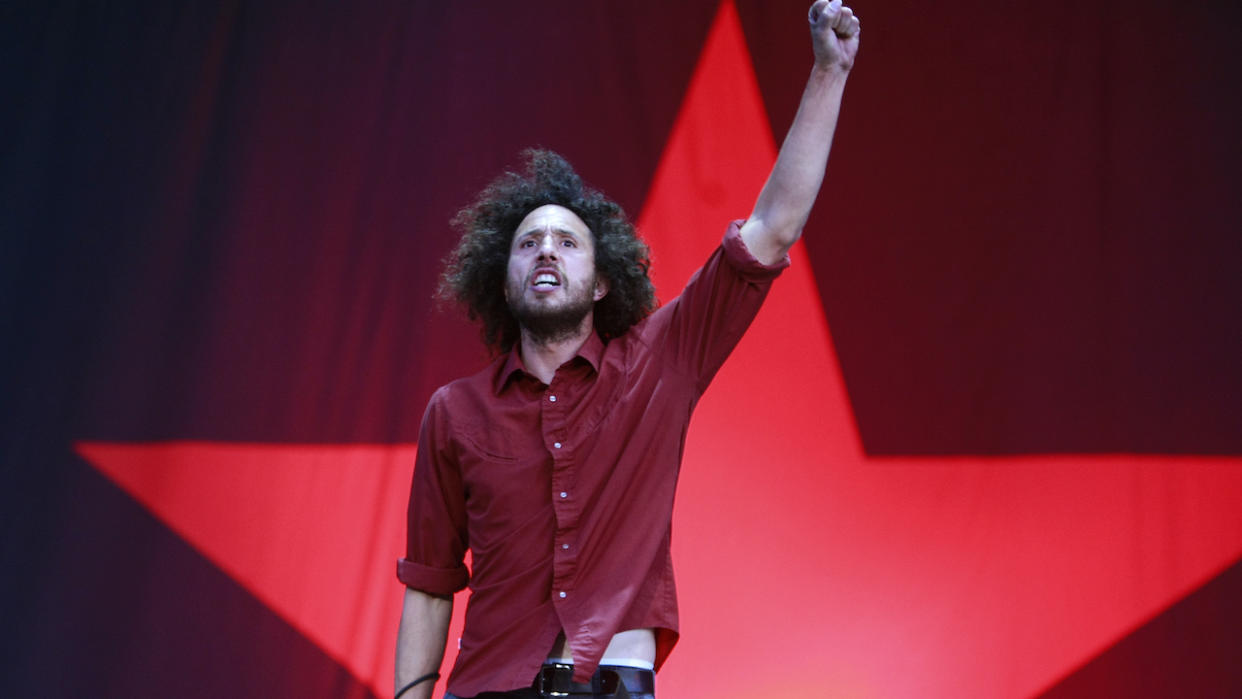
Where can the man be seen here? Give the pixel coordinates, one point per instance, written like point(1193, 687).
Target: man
point(556, 465)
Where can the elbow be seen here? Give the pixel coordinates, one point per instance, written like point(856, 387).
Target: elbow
point(786, 237)
point(783, 235)
point(780, 230)
point(767, 243)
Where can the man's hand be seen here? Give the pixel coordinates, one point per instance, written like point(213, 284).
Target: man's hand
point(834, 34)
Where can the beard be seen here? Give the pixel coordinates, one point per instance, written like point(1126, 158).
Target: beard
point(548, 324)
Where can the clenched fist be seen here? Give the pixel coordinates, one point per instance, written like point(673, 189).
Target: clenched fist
point(834, 34)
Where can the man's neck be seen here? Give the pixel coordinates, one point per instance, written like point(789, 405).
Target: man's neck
point(542, 359)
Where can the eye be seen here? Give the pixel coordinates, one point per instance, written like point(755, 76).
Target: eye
point(569, 243)
point(528, 243)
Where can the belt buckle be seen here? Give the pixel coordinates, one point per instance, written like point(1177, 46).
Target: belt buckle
point(609, 682)
point(559, 676)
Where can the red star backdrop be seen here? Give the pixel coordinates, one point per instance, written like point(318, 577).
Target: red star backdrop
point(982, 441)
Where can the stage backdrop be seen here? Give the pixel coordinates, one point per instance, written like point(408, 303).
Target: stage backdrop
point(985, 439)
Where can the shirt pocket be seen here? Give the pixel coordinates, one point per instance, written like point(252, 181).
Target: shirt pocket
point(507, 477)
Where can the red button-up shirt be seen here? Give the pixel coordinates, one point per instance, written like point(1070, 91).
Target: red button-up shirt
point(564, 492)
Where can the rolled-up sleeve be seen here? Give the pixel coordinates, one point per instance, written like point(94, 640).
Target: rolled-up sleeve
point(436, 532)
point(437, 581)
point(743, 261)
point(700, 327)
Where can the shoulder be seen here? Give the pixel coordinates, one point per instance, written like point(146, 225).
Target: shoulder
point(466, 390)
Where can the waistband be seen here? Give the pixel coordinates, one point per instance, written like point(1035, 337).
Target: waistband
point(556, 680)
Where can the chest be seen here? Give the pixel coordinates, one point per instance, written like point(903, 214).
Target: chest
point(521, 449)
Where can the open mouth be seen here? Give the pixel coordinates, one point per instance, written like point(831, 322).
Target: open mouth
point(546, 281)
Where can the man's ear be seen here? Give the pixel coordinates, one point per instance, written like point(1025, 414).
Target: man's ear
point(601, 288)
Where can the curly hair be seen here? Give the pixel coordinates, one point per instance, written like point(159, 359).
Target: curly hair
point(474, 273)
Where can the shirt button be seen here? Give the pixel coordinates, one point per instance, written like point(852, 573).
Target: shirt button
point(564, 494)
point(565, 547)
point(552, 399)
point(557, 445)
point(563, 594)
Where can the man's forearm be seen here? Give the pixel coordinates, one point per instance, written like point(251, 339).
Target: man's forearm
point(786, 199)
point(420, 640)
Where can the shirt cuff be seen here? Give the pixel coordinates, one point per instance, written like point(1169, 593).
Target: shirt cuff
point(741, 260)
point(437, 581)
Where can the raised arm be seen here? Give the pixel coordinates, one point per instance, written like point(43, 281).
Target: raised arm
point(786, 199)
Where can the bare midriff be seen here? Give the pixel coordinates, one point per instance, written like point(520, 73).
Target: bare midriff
point(625, 647)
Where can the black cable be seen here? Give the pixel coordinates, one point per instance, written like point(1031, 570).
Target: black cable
point(424, 678)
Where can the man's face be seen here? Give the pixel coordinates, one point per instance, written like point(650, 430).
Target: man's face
point(551, 284)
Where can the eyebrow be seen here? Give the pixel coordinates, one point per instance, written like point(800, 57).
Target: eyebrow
point(537, 229)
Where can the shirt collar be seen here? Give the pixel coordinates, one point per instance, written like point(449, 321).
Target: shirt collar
point(592, 351)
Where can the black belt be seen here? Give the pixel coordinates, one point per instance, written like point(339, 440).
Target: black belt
point(556, 680)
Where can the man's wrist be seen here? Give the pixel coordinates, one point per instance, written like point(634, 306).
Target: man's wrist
point(429, 678)
point(830, 70)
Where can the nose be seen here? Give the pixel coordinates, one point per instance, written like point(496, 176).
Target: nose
point(547, 246)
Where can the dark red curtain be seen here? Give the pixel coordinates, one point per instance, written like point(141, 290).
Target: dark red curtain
point(985, 439)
